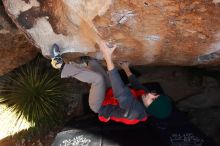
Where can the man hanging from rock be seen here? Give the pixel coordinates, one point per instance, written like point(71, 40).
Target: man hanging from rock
point(109, 97)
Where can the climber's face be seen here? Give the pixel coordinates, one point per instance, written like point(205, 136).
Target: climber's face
point(149, 98)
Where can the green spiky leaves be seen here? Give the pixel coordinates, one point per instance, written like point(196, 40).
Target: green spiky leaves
point(33, 92)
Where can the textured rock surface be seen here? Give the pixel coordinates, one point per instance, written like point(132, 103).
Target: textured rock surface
point(15, 49)
point(165, 32)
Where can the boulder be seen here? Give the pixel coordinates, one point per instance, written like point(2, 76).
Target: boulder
point(152, 32)
point(15, 49)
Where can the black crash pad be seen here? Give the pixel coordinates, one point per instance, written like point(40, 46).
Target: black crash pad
point(91, 132)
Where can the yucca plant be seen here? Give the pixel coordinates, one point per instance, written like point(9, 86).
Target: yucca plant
point(33, 93)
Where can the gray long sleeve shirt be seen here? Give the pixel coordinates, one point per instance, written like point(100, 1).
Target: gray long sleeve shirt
point(129, 107)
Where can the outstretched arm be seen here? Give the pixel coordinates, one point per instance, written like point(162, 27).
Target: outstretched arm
point(120, 91)
point(116, 81)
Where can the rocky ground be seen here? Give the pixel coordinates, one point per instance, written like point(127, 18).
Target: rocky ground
point(196, 92)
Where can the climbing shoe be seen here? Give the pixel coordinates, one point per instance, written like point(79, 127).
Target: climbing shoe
point(56, 59)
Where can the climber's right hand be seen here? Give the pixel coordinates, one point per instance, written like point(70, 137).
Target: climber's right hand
point(107, 49)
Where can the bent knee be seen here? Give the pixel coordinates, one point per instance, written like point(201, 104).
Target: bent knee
point(98, 78)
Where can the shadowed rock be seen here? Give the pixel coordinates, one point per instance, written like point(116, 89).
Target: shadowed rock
point(15, 49)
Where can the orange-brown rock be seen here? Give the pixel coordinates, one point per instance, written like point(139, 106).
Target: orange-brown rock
point(15, 49)
point(147, 32)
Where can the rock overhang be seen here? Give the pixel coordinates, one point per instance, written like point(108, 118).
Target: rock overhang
point(151, 32)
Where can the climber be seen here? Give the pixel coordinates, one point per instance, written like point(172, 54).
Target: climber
point(109, 97)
